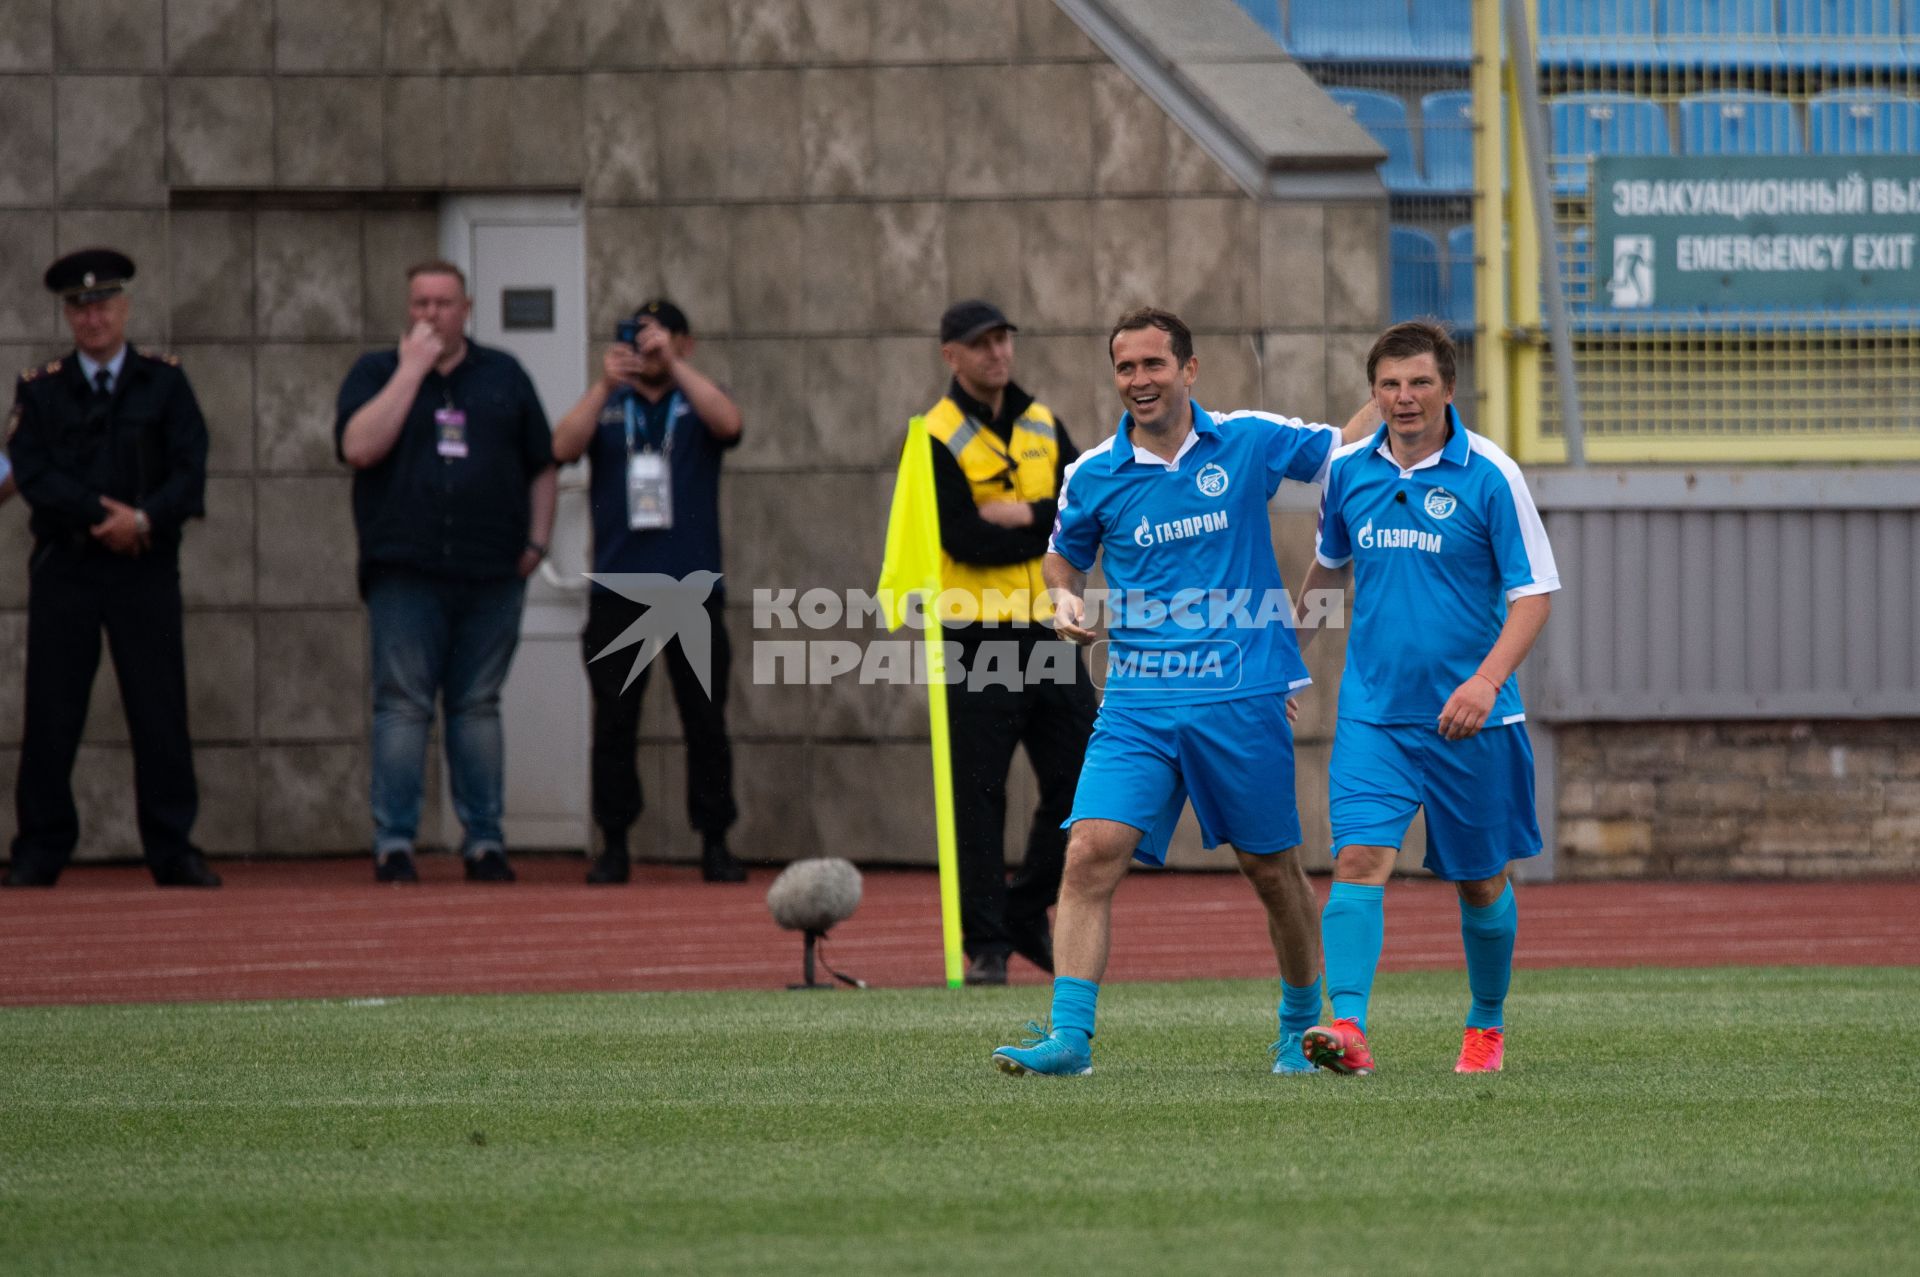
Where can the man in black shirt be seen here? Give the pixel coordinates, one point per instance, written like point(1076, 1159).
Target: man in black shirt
point(110, 452)
point(453, 496)
point(998, 459)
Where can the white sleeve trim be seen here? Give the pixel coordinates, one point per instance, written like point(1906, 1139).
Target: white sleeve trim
point(1296, 423)
point(1060, 500)
point(1325, 562)
point(1533, 532)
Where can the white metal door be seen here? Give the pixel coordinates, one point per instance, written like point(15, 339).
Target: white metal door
point(525, 258)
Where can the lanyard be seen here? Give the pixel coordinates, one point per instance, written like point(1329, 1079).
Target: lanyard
point(637, 440)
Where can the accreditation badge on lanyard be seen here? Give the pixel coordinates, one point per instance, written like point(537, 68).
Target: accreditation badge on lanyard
point(450, 424)
point(649, 473)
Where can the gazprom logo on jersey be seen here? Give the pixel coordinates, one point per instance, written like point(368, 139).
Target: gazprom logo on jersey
point(1150, 534)
point(1209, 665)
point(1370, 538)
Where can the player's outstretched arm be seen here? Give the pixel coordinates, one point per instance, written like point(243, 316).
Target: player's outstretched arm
point(1068, 585)
point(1466, 710)
point(1361, 424)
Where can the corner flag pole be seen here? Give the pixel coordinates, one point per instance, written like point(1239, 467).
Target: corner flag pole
point(912, 566)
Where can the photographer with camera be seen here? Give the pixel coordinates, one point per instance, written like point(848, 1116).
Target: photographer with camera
point(654, 430)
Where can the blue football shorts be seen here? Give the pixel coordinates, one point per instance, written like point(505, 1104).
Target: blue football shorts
point(1478, 793)
point(1233, 759)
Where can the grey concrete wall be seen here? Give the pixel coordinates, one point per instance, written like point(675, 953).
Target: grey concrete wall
point(812, 179)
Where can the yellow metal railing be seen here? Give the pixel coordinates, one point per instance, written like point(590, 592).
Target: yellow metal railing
point(1707, 383)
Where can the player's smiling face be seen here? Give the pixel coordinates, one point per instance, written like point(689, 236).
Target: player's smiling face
point(1412, 401)
point(1153, 385)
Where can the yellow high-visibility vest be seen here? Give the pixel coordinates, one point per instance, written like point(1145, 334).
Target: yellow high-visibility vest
point(1023, 467)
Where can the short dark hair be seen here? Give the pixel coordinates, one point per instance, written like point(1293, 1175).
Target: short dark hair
point(1416, 337)
point(438, 266)
point(1153, 317)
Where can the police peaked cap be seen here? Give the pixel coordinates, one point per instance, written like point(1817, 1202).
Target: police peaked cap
point(90, 275)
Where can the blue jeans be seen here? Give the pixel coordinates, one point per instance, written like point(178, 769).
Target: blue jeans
point(435, 637)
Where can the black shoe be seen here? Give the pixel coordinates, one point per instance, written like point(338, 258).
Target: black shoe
point(718, 865)
point(987, 968)
point(188, 870)
point(31, 873)
point(490, 866)
point(395, 866)
point(610, 867)
point(1032, 941)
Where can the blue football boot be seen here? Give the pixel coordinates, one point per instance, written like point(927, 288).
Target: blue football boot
point(1062, 1053)
point(1288, 1057)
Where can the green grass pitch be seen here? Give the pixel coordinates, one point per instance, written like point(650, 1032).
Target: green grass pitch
point(1722, 1121)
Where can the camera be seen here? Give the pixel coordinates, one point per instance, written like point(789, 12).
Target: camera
point(628, 331)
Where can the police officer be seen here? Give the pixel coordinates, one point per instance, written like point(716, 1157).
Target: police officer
point(110, 453)
point(998, 459)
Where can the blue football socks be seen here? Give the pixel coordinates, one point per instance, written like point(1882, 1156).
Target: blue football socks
point(1486, 932)
point(1299, 1007)
point(1073, 1005)
point(1352, 928)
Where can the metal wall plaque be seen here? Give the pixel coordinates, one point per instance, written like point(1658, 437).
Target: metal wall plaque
point(524, 310)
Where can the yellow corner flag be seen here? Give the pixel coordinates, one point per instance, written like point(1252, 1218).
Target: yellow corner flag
point(912, 566)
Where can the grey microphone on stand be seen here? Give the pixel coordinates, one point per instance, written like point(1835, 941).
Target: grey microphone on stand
point(811, 896)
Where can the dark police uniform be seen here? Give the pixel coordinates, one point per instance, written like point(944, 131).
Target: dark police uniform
point(142, 442)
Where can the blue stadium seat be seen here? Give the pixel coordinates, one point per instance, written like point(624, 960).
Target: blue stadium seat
point(1385, 116)
point(1719, 33)
point(1862, 122)
point(1415, 273)
point(1738, 124)
point(1576, 33)
point(1446, 132)
point(1350, 31)
point(1267, 14)
point(1460, 278)
point(1443, 31)
point(1910, 25)
point(1590, 124)
point(1842, 34)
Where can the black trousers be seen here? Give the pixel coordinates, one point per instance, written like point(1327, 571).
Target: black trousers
point(617, 800)
point(986, 720)
point(72, 595)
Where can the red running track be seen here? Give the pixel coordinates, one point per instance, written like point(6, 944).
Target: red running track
point(326, 930)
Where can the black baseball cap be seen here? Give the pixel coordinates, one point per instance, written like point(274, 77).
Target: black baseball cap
point(967, 320)
point(90, 275)
point(664, 313)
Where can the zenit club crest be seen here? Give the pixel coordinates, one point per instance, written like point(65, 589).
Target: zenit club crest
point(1441, 503)
point(1212, 479)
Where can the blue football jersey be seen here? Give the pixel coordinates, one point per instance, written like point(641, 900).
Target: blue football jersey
point(1196, 608)
point(1438, 552)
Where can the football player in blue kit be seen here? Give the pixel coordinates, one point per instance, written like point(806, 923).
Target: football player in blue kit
point(1451, 573)
point(1201, 668)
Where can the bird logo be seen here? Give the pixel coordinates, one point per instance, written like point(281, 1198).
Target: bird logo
point(675, 608)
